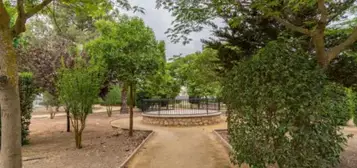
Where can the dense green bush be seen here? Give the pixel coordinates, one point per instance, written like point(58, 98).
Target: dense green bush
point(27, 93)
point(279, 111)
point(338, 103)
point(352, 99)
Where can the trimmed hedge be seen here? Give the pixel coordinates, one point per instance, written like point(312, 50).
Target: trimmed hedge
point(27, 91)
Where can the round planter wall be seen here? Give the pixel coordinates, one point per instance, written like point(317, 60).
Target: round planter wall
point(186, 120)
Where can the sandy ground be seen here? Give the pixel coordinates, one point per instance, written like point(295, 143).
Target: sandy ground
point(173, 147)
point(348, 157)
point(42, 112)
point(104, 147)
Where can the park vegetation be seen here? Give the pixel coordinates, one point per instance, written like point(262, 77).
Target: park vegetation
point(79, 87)
point(285, 69)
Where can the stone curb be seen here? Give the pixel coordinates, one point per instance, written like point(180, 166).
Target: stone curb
point(225, 143)
point(137, 148)
point(123, 165)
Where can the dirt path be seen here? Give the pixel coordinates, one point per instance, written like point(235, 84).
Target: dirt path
point(191, 147)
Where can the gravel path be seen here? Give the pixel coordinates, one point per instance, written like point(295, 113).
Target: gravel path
point(190, 147)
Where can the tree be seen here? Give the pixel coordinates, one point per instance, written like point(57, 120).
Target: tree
point(308, 18)
point(27, 92)
point(79, 88)
point(13, 19)
point(198, 73)
point(263, 93)
point(129, 50)
point(161, 84)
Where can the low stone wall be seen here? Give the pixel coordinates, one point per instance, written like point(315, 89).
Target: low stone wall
point(182, 120)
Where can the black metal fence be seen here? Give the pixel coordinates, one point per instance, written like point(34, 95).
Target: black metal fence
point(191, 106)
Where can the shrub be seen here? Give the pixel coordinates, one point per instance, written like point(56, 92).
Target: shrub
point(337, 102)
point(79, 88)
point(27, 93)
point(112, 98)
point(50, 101)
point(351, 94)
point(279, 113)
point(140, 96)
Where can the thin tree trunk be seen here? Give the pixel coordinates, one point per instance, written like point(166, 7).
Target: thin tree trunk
point(78, 138)
point(131, 110)
point(68, 120)
point(124, 99)
point(10, 103)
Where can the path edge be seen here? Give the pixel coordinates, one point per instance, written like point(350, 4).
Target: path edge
point(225, 143)
point(131, 156)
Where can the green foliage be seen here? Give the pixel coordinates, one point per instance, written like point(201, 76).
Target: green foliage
point(337, 102)
point(128, 47)
point(198, 72)
point(140, 95)
point(280, 111)
point(79, 88)
point(27, 91)
point(113, 97)
point(49, 100)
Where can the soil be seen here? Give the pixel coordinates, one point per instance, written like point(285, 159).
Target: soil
point(52, 147)
point(348, 157)
point(179, 147)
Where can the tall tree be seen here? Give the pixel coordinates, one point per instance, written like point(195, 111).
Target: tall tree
point(198, 73)
point(308, 18)
point(130, 51)
point(13, 18)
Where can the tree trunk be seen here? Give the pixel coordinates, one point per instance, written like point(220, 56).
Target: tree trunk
point(124, 99)
point(10, 103)
point(68, 120)
point(321, 54)
point(131, 110)
point(109, 110)
point(78, 138)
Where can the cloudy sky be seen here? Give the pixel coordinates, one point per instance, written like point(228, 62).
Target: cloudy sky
point(160, 20)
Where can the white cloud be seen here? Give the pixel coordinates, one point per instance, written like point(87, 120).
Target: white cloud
point(160, 20)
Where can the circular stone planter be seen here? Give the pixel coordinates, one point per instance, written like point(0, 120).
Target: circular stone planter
point(182, 120)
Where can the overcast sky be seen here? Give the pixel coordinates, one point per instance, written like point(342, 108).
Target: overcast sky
point(160, 20)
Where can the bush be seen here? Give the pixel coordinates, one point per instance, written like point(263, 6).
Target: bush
point(140, 96)
point(79, 88)
point(27, 93)
point(50, 101)
point(112, 98)
point(279, 111)
point(338, 103)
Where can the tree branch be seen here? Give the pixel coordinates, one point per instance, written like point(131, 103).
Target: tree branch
point(4, 16)
point(37, 8)
point(334, 51)
point(19, 26)
point(293, 27)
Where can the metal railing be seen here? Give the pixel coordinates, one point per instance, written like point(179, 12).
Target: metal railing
point(191, 106)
